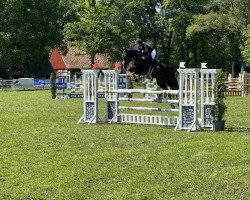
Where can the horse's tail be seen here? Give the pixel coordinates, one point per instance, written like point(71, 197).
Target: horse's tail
point(170, 77)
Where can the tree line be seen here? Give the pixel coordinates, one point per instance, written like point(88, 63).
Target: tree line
point(212, 31)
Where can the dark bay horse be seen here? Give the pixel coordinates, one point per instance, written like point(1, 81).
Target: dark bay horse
point(134, 63)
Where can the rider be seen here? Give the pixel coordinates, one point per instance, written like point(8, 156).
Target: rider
point(148, 53)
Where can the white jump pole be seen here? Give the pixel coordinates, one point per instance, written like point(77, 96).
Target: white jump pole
point(149, 100)
point(188, 99)
point(140, 91)
point(149, 109)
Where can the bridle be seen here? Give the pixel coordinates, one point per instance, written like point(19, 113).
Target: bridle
point(130, 64)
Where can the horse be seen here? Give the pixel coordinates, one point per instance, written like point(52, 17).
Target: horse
point(135, 64)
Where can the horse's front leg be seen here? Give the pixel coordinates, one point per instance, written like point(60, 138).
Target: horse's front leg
point(134, 77)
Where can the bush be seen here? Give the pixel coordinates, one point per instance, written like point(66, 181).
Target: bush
point(52, 84)
point(220, 107)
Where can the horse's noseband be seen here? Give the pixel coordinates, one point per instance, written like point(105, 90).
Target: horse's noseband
point(129, 64)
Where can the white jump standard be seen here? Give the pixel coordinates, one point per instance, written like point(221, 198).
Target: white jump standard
point(90, 97)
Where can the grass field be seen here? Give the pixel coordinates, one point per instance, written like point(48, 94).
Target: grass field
point(45, 155)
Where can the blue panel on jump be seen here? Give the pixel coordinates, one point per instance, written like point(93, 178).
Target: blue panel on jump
point(75, 95)
point(81, 95)
point(61, 85)
point(41, 82)
point(61, 77)
point(122, 83)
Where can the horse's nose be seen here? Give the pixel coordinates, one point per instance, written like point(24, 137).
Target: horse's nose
point(123, 62)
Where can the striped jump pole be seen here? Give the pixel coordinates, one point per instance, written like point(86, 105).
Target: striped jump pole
point(140, 91)
point(149, 100)
point(149, 109)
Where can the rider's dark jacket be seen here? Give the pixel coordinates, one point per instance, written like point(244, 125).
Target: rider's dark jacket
point(146, 51)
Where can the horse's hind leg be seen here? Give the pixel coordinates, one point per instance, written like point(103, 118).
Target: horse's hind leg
point(164, 86)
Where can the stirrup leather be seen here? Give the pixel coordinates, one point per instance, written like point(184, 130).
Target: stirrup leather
point(150, 72)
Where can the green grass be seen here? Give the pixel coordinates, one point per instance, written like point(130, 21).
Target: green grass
point(45, 155)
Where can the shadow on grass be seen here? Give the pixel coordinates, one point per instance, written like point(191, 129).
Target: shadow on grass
point(23, 89)
point(237, 130)
point(29, 89)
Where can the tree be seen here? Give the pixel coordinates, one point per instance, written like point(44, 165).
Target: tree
point(99, 28)
point(214, 36)
point(143, 15)
point(246, 50)
point(209, 33)
point(178, 15)
point(29, 29)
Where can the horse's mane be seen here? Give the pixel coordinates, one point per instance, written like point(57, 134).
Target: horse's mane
point(132, 49)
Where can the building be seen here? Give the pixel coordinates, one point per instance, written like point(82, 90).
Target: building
point(74, 61)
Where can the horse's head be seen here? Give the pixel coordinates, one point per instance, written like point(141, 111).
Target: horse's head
point(129, 57)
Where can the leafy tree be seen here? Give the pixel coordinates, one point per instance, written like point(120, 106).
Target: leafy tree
point(208, 32)
point(246, 50)
point(143, 15)
point(215, 39)
point(178, 16)
point(240, 18)
point(99, 28)
point(194, 31)
point(29, 29)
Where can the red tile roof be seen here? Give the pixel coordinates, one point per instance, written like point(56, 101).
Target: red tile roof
point(75, 60)
point(56, 60)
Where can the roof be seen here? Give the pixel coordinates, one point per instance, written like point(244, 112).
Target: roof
point(76, 60)
point(56, 60)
